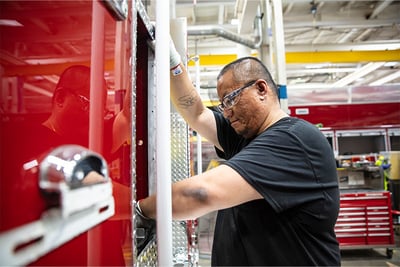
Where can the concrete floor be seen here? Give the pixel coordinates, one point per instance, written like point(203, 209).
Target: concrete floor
point(370, 257)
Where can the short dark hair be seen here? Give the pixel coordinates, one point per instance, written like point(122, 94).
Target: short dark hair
point(75, 78)
point(249, 68)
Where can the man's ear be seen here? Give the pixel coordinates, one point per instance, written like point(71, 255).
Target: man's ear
point(262, 88)
point(59, 97)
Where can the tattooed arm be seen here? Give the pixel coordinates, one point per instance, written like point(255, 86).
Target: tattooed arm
point(188, 103)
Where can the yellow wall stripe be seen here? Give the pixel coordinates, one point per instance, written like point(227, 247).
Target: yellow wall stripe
point(313, 57)
point(342, 56)
point(221, 60)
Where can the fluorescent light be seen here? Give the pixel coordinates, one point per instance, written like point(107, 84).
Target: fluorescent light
point(10, 22)
point(234, 22)
point(391, 64)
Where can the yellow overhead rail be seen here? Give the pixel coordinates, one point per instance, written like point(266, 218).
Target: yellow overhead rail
point(342, 56)
point(48, 69)
point(314, 57)
point(215, 60)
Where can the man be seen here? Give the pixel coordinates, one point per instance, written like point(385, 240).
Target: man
point(24, 141)
point(277, 193)
point(68, 123)
point(69, 118)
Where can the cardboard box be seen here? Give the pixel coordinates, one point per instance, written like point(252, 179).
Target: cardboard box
point(394, 159)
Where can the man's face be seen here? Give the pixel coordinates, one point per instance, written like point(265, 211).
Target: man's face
point(247, 114)
point(74, 114)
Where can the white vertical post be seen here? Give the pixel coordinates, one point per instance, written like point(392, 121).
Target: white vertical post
point(242, 51)
point(178, 29)
point(163, 136)
point(96, 79)
point(96, 111)
point(199, 142)
point(279, 41)
point(267, 51)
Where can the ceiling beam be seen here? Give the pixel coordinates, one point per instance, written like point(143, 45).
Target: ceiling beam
point(345, 23)
point(38, 90)
point(379, 8)
point(247, 15)
point(368, 68)
point(386, 79)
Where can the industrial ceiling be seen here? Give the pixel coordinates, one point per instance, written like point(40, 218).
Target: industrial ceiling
point(331, 47)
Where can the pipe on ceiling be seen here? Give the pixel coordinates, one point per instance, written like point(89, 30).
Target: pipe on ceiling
point(229, 35)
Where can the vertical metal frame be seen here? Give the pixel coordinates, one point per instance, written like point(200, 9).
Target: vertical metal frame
point(180, 246)
point(96, 124)
point(96, 79)
point(134, 19)
point(163, 140)
point(279, 44)
point(185, 246)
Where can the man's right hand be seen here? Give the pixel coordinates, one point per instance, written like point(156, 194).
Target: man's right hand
point(145, 229)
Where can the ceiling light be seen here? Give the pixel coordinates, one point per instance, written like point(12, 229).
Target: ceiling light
point(316, 66)
point(390, 64)
point(10, 22)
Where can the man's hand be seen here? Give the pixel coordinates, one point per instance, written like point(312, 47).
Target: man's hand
point(145, 229)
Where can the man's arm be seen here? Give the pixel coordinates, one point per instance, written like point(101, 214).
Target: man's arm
point(121, 131)
point(218, 188)
point(189, 104)
point(187, 100)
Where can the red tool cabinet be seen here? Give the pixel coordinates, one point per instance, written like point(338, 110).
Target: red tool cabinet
point(365, 220)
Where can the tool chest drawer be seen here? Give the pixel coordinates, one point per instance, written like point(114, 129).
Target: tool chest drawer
point(365, 219)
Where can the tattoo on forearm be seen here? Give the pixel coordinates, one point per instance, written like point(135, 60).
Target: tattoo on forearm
point(189, 100)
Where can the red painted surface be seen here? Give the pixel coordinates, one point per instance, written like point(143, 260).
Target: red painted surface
point(365, 219)
point(351, 115)
point(21, 199)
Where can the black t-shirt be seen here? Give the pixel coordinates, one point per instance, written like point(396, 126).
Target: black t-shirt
point(292, 166)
